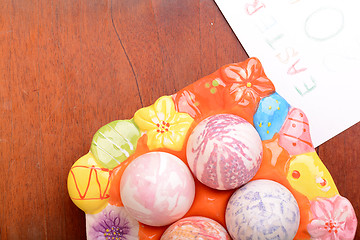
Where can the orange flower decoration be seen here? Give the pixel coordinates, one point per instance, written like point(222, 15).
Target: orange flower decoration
point(246, 83)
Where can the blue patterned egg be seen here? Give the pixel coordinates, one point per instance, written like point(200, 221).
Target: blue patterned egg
point(270, 115)
point(262, 209)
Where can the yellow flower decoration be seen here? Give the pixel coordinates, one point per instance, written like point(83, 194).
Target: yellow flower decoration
point(164, 126)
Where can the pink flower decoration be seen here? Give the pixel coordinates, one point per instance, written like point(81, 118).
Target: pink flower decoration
point(333, 218)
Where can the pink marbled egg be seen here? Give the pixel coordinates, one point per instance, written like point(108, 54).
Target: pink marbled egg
point(157, 188)
point(224, 151)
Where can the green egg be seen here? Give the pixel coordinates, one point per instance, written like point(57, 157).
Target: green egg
point(115, 142)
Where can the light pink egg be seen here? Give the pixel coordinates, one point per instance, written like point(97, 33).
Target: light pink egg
point(195, 228)
point(224, 151)
point(157, 188)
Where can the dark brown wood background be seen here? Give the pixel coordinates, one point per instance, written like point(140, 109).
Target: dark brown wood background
point(68, 67)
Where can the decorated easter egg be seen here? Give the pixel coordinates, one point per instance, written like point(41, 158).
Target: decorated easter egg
point(262, 209)
point(115, 142)
point(157, 188)
point(88, 184)
point(270, 115)
point(309, 176)
point(224, 151)
point(195, 228)
point(294, 135)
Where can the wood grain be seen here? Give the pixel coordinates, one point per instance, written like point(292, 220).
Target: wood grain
point(68, 67)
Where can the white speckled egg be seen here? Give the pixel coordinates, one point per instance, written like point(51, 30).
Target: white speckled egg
point(157, 188)
point(262, 209)
point(224, 151)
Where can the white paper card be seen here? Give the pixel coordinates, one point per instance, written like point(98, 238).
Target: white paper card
point(310, 50)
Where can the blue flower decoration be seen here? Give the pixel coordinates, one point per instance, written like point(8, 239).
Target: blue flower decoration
point(112, 223)
point(270, 115)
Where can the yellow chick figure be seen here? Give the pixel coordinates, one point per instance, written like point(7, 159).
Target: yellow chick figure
point(309, 176)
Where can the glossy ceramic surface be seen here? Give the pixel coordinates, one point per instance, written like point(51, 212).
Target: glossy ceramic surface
point(240, 89)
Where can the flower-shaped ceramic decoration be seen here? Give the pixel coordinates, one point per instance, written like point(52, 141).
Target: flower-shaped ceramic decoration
point(284, 145)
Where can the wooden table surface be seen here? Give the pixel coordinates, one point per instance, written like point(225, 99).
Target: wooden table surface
point(69, 67)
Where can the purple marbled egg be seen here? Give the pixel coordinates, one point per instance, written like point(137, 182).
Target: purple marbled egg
point(224, 151)
point(262, 209)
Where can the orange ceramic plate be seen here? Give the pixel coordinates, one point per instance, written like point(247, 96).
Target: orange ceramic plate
point(241, 89)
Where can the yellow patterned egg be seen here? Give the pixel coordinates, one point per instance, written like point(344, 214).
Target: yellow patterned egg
point(88, 184)
point(309, 176)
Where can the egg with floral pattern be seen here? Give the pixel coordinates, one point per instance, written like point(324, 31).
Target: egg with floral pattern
point(224, 151)
point(195, 228)
point(157, 188)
